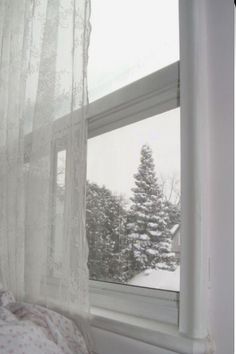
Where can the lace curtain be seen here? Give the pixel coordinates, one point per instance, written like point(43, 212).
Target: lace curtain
point(43, 97)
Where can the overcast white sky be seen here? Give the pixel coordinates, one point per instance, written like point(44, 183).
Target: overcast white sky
point(129, 40)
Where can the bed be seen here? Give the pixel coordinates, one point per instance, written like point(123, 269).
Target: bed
point(33, 329)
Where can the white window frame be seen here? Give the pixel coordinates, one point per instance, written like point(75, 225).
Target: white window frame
point(149, 96)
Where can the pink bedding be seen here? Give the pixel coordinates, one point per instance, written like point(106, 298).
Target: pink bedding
point(33, 329)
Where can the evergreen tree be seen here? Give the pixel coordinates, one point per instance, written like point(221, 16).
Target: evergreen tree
point(105, 219)
point(149, 235)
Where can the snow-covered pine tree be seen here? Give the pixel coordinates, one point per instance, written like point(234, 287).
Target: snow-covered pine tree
point(148, 232)
point(173, 212)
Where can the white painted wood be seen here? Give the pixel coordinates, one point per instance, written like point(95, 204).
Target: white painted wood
point(194, 169)
point(150, 304)
point(140, 302)
point(111, 343)
point(151, 95)
point(160, 336)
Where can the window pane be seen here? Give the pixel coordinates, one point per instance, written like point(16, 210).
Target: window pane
point(133, 203)
point(58, 213)
point(129, 40)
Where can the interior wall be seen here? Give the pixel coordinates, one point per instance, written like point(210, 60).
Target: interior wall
point(220, 228)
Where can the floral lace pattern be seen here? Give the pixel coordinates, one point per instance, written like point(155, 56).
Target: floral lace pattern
point(43, 66)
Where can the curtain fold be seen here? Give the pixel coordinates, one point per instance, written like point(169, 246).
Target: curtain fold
point(43, 65)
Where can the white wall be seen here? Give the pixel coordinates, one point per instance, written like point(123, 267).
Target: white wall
point(221, 43)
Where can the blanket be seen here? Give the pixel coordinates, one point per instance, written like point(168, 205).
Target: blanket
point(33, 329)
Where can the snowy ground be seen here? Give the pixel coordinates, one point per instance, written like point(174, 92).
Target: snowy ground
point(159, 279)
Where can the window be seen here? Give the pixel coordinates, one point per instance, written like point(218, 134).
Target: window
point(142, 105)
point(143, 97)
point(147, 41)
point(133, 207)
point(149, 96)
point(136, 80)
point(138, 100)
point(154, 97)
point(58, 209)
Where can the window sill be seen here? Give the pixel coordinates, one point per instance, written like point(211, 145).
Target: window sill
point(158, 334)
point(156, 305)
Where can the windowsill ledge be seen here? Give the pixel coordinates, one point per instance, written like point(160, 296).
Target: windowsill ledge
point(161, 335)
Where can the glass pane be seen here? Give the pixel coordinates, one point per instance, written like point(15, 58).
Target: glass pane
point(58, 207)
point(129, 40)
point(133, 203)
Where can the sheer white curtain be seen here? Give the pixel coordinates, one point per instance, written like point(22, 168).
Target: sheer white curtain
point(43, 248)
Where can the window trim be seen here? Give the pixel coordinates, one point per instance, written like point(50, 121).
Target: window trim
point(195, 176)
point(152, 304)
point(146, 97)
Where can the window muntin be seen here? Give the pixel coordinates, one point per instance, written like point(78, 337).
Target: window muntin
point(129, 40)
point(113, 159)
